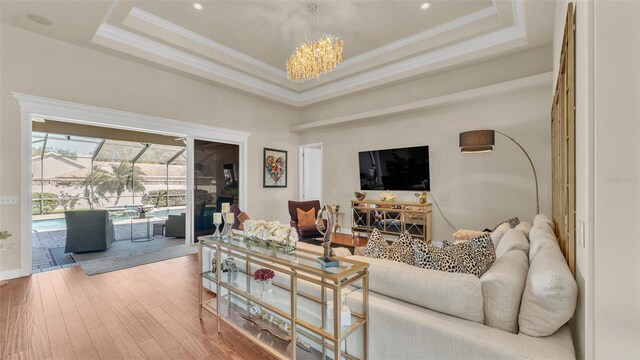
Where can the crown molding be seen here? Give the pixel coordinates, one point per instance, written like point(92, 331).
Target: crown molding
point(507, 87)
point(498, 41)
point(119, 39)
point(421, 36)
point(158, 27)
point(70, 111)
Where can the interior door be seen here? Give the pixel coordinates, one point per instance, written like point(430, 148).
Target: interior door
point(312, 173)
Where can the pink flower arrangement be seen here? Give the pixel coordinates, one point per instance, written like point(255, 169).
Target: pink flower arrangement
point(263, 275)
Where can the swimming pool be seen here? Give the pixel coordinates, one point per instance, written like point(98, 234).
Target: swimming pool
point(60, 223)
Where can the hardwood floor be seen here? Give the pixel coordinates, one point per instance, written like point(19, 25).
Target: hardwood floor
point(146, 312)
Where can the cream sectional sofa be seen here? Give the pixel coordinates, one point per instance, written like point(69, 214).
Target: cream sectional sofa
point(517, 310)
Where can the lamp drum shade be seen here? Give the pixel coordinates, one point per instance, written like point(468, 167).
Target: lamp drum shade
point(477, 141)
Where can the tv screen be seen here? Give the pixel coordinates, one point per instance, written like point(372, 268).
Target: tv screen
point(395, 169)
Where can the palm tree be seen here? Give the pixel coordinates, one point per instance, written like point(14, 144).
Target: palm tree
point(91, 193)
point(123, 177)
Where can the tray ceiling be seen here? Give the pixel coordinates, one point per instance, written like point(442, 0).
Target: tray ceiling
point(244, 44)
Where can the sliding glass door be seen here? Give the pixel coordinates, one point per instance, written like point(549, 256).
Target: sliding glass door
point(216, 181)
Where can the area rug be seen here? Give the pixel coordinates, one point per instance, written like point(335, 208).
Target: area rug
point(58, 257)
point(102, 266)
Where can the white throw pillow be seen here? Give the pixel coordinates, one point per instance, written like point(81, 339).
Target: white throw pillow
point(502, 287)
point(543, 218)
point(497, 234)
point(541, 236)
point(454, 294)
point(525, 227)
point(513, 240)
point(549, 297)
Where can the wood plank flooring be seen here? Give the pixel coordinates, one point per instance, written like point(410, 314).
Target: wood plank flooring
point(146, 312)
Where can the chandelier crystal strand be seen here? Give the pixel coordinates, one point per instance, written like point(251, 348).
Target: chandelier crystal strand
point(313, 58)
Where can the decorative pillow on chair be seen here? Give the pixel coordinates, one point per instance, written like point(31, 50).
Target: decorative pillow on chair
point(242, 217)
point(402, 250)
point(306, 217)
point(471, 257)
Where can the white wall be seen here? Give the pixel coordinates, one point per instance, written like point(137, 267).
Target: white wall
point(617, 179)
point(474, 190)
point(607, 320)
point(41, 66)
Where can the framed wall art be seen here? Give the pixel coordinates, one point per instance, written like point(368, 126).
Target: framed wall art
point(274, 168)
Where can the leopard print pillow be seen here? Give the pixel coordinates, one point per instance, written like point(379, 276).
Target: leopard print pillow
point(402, 250)
point(377, 246)
point(471, 257)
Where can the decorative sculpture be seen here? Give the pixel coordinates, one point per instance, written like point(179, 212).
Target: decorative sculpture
point(327, 259)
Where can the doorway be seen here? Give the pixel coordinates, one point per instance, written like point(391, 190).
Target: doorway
point(216, 182)
point(311, 172)
point(37, 109)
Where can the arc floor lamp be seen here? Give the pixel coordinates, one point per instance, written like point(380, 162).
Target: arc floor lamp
point(476, 141)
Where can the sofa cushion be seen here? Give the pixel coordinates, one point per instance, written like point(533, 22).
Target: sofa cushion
point(474, 256)
point(308, 230)
point(402, 250)
point(525, 227)
point(513, 240)
point(454, 294)
point(496, 235)
point(549, 297)
point(502, 287)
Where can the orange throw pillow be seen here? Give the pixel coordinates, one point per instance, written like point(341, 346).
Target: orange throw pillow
point(241, 218)
point(306, 217)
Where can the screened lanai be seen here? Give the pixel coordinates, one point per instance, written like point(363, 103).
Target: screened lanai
point(139, 185)
point(82, 172)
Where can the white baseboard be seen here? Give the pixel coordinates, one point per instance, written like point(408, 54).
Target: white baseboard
point(10, 274)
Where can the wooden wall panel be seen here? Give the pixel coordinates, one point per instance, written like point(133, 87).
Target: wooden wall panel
point(563, 145)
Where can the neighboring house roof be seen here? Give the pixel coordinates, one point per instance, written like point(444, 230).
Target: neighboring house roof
point(77, 171)
point(57, 165)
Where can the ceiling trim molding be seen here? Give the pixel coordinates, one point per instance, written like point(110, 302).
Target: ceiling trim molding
point(474, 48)
point(451, 25)
point(527, 83)
point(202, 40)
point(478, 47)
point(108, 35)
point(80, 113)
point(138, 18)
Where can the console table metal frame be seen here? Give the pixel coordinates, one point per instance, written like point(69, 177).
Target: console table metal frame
point(409, 215)
point(326, 280)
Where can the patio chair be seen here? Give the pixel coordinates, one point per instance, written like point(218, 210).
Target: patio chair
point(175, 226)
point(88, 230)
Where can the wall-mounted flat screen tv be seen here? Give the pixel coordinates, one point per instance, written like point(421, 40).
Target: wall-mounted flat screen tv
point(395, 169)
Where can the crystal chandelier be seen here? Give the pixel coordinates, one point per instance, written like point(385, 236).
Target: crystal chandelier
point(314, 57)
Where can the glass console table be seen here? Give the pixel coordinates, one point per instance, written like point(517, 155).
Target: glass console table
point(294, 317)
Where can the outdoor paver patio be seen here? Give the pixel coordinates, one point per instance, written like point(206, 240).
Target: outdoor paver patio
point(122, 246)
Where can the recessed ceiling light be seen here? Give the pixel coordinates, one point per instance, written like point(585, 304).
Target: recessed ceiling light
point(197, 6)
point(425, 6)
point(39, 19)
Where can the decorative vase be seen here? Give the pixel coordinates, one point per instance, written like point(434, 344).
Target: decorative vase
point(266, 290)
point(143, 215)
point(360, 195)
